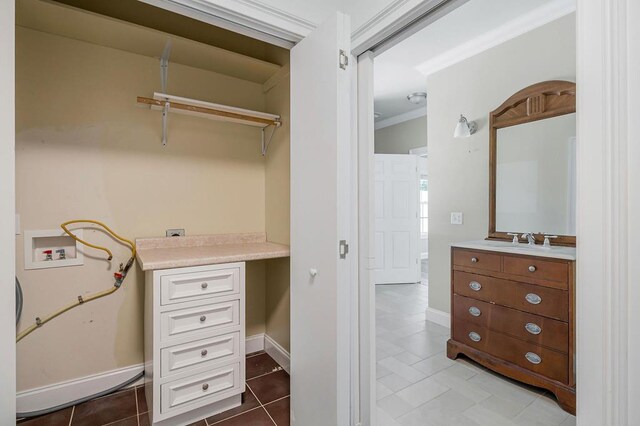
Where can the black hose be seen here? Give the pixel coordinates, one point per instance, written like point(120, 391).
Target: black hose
point(19, 301)
point(79, 401)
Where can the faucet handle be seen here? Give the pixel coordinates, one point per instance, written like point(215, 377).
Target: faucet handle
point(515, 236)
point(547, 243)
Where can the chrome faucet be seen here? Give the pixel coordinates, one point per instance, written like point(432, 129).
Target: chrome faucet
point(530, 238)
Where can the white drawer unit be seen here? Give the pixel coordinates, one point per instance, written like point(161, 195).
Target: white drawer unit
point(194, 342)
point(197, 286)
point(205, 352)
point(204, 318)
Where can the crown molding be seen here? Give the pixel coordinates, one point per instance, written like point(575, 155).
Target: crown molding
point(401, 118)
point(252, 18)
point(521, 25)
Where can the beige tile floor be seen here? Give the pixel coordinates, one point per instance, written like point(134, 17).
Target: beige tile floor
point(418, 385)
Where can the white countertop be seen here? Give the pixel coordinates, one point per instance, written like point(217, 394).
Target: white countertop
point(179, 252)
point(558, 252)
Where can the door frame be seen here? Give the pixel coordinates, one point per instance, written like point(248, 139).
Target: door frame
point(608, 305)
point(7, 214)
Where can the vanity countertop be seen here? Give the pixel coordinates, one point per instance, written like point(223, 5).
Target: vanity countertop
point(558, 252)
point(179, 252)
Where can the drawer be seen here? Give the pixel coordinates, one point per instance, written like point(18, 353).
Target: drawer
point(200, 389)
point(199, 285)
point(198, 354)
point(545, 301)
point(477, 259)
point(535, 329)
point(202, 318)
point(534, 267)
point(544, 361)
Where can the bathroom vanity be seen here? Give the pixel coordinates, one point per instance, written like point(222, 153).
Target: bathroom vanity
point(194, 322)
point(512, 310)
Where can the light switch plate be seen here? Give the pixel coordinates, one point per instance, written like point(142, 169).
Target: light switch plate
point(456, 218)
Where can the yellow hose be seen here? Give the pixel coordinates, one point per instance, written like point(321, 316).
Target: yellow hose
point(82, 300)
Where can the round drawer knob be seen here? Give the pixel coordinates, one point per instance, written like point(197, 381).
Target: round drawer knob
point(475, 311)
point(475, 285)
point(532, 268)
point(533, 328)
point(533, 358)
point(203, 318)
point(533, 298)
point(205, 386)
point(474, 260)
point(475, 336)
point(204, 352)
point(204, 285)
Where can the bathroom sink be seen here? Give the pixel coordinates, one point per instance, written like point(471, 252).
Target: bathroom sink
point(522, 248)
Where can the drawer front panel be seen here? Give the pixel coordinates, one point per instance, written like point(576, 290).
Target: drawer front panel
point(200, 389)
point(199, 285)
point(202, 318)
point(549, 363)
point(530, 298)
point(535, 329)
point(535, 267)
point(476, 259)
point(199, 354)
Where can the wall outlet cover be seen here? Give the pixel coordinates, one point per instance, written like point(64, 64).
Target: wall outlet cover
point(175, 232)
point(456, 218)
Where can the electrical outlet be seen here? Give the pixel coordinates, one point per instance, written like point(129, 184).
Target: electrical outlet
point(175, 232)
point(456, 218)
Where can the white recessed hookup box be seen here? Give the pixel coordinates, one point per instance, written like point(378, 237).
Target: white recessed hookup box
point(51, 249)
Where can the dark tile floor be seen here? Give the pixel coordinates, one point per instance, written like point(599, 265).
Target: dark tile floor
point(265, 402)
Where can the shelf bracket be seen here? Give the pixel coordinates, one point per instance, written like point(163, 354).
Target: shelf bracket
point(265, 144)
point(164, 72)
point(165, 118)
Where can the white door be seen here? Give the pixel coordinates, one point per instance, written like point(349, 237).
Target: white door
point(320, 184)
point(397, 223)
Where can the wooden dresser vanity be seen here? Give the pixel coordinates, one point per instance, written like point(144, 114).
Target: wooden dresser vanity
point(514, 314)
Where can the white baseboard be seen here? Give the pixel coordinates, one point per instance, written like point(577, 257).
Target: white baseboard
point(439, 317)
point(278, 353)
point(254, 343)
point(64, 392)
point(57, 394)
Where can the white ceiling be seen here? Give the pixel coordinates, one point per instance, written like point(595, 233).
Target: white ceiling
point(397, 71)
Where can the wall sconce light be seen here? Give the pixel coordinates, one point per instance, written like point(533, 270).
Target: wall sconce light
point(464, 128)
point(417, 97)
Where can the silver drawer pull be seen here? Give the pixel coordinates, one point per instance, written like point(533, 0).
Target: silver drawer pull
point(204, 352)
point(475, 285)
point(533, 298)
point(533, 328)
point(203, 318)
point(474, 311)
point(475, 336)
point(532, 268)
point(533, 358)
point(205, 386)
point(474, 260)
point(204, 285)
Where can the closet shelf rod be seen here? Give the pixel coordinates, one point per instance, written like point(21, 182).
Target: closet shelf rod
point(211, 111)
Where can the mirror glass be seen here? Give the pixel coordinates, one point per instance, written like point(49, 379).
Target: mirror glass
point(536, 177)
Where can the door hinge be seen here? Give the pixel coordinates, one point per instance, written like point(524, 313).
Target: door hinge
point(343, 60)
point(344, 249)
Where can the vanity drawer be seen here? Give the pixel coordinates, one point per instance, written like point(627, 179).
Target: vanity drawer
point(534, 267)
point(198, 354)
point(200, 389)
point(530, 356)
point(545, 301)
point(535, 329)
point(199, 285)
point(477, 259)
point(202, 318)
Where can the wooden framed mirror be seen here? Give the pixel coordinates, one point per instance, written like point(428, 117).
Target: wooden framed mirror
point(532, 164)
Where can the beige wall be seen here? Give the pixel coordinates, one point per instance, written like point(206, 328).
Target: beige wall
point(277, 216)
point(459, 168)
point(400, 138)
point(85, 150)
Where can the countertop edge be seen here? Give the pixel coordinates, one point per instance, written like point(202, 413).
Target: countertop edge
point(478, 245)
